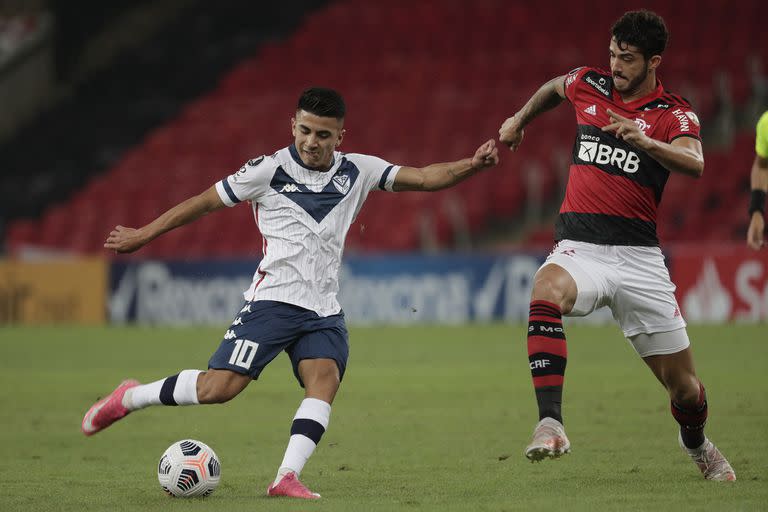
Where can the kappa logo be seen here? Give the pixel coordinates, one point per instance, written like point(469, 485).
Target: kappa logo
point(341, 182)
point(591, 110)
point(230, 335)
point(594, 152)
point(238, 321)
point(642, 124)
point(246, 309)
point(289, 187)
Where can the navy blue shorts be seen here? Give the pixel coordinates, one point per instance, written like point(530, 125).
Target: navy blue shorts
point(265, 328)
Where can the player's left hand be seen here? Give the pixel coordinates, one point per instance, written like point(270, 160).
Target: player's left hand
point(486, 155)
point(627, 130)
point(124, 240)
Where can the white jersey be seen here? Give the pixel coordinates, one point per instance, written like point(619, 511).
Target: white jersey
point(304, 216)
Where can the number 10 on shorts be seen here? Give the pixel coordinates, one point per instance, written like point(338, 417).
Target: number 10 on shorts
point(245, 351)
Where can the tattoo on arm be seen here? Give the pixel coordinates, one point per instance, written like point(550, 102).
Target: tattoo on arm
point(546, 98)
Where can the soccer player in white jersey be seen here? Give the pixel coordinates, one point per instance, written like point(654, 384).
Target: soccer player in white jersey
point(304, 198)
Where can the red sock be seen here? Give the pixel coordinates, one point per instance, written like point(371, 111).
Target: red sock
point(547, 356)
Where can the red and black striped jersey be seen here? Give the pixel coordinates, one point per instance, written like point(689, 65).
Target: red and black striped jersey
point(614, 189)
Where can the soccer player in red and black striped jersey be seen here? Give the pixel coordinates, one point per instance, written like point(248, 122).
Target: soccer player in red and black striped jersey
point(631, 134)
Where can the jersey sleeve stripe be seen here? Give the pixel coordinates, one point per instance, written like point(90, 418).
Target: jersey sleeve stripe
point(691, 135)
point(383, 180)
point(229, 191)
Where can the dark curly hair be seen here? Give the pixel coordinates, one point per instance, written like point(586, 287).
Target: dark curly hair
point(644, 29)
point(322, 102)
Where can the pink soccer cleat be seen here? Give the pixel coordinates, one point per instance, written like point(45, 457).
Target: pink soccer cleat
point(710, 461)
point(107, 410)
point(549, 441)
point(290, 486)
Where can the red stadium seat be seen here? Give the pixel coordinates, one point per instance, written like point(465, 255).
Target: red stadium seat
point(420, 88)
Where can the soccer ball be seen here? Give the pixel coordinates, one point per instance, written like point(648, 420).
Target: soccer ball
point(189, 468)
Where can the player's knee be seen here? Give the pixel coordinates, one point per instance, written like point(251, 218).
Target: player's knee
point(321, 375)
point(547, 288)
point(327, 376)
point(685, 391)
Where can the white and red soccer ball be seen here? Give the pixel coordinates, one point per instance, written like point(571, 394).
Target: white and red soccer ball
point(189, 468)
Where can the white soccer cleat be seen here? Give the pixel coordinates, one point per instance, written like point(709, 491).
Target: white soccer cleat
point(549, 441)
point(710, 461)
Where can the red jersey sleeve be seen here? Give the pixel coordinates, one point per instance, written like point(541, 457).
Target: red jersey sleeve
point(681, 121)
point(572, 81)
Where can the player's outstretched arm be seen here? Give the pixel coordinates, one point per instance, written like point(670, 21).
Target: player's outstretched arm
point(683, 155)
point(439, 176)
point(123, 239)
point(549, 95)
point(759, 186)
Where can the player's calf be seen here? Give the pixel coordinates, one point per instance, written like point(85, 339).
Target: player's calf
point(692, 418)
point(547, 357)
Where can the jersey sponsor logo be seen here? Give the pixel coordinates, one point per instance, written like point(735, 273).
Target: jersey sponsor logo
point(342, 183)
point(255, 161)
point(600, 83)
point(642, 124)
point(591, 110)
point(693, 117)
point(682, 117)
point(289, 187)
point(603, 154)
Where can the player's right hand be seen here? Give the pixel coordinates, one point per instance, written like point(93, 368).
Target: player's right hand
point(122, 239)
point(755, 231)
point(511, 133)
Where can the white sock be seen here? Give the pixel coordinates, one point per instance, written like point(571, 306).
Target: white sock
point(309, 424)
point(180, 389)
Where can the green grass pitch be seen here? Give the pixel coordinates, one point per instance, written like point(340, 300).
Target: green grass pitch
point(428, 418)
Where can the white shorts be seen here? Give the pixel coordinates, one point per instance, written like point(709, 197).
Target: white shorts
point(632, 281)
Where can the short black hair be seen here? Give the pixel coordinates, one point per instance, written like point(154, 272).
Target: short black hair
point(322, 102)
point(644, 29)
